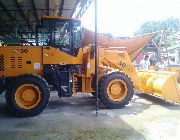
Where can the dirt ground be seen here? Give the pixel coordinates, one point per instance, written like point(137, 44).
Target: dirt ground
point(74, 118)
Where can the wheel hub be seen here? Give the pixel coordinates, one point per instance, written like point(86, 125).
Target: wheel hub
point(28, 95)
point(117, 90)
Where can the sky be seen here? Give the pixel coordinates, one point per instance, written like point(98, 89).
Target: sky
point(124, 17)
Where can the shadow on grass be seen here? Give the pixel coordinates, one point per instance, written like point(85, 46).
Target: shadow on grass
point(90, 132)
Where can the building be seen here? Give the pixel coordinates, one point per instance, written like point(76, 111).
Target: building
point(174, 54)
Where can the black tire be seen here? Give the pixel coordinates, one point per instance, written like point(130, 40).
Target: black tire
point(28, 79)
point(103, 95)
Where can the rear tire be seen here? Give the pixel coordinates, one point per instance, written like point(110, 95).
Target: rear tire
point(115, 90)
point(27, 96)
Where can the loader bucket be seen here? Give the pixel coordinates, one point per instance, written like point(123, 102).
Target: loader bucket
point(133, 45)
point(174, 69)
point(163, 84)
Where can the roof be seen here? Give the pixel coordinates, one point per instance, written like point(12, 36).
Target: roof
point(26, 14)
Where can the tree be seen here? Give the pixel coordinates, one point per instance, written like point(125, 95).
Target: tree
point(169, 27)
point(170, 24)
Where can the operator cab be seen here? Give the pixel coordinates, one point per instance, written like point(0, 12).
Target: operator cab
point(63, 33)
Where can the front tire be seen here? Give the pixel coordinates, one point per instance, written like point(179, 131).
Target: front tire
point(115, 90)
point(27, 96)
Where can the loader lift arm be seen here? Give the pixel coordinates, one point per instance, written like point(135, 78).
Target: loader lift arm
point(120, 61)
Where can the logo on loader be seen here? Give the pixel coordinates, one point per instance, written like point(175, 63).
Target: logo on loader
point(125, 66)
point(20, 50)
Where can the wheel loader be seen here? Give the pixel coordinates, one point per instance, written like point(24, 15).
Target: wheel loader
point(29, 73)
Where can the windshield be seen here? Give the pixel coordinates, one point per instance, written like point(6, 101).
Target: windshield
point(62, 34)
point(77, 36)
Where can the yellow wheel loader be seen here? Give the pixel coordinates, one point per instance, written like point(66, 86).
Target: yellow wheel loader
point(61, 63)
point(29, 73)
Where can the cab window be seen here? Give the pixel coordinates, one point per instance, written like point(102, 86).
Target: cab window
point(62, 37)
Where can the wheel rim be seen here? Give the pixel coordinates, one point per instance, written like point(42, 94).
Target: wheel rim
point(28, 96)
point(117, 90)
